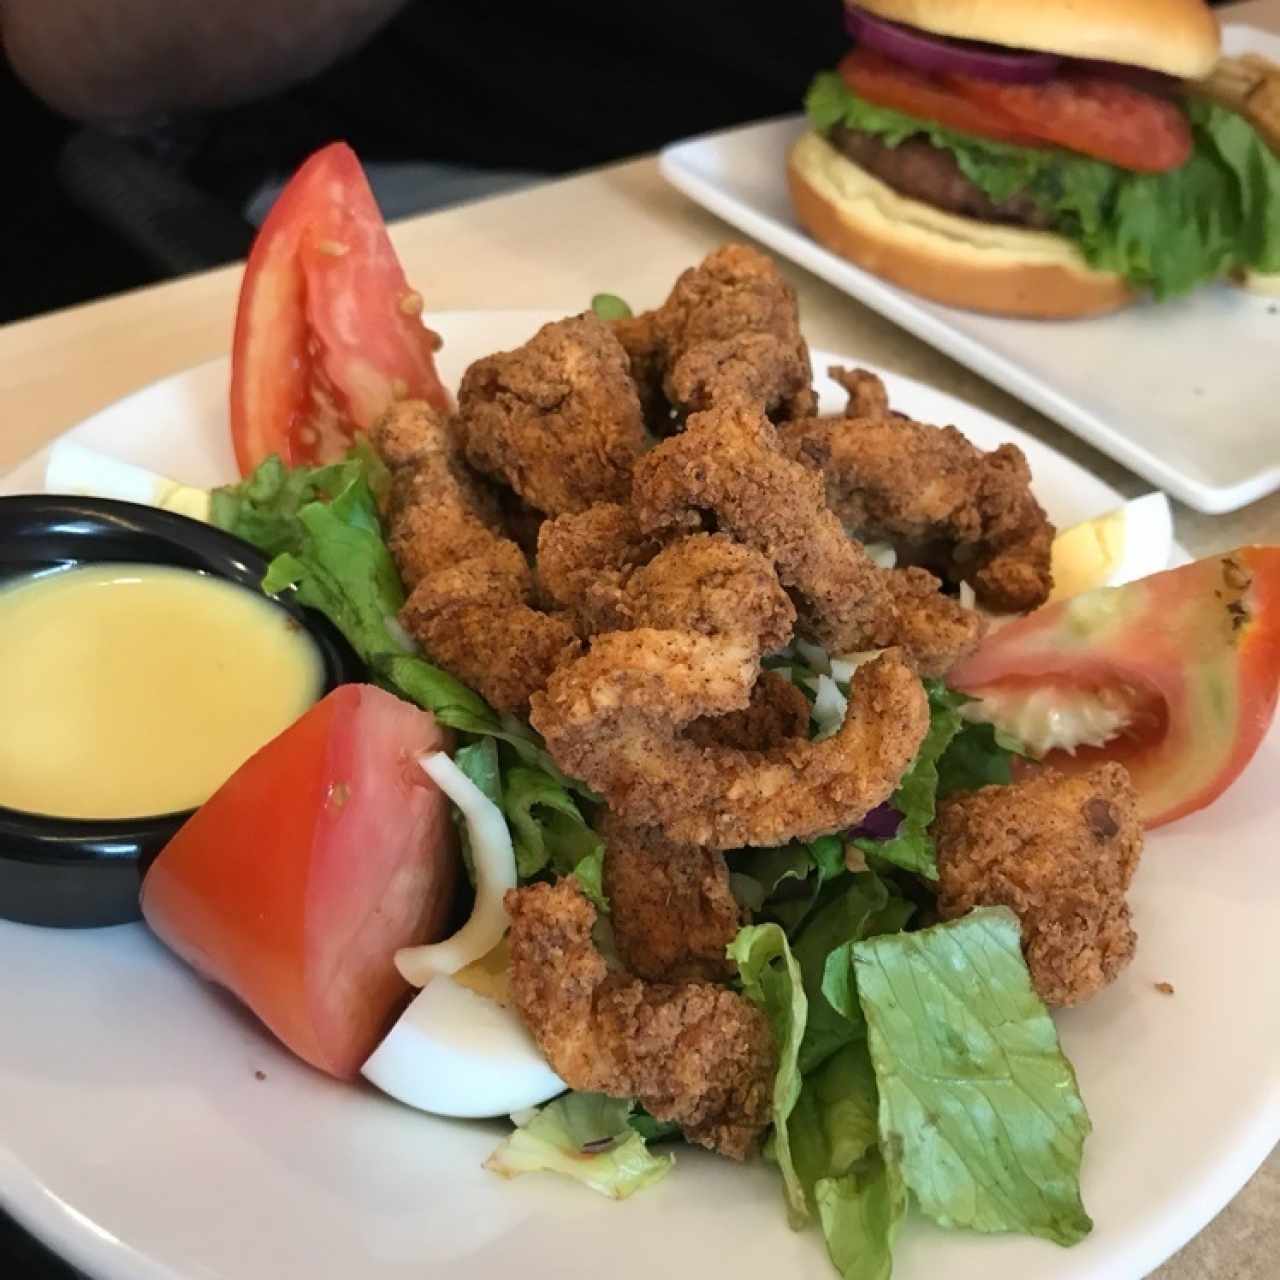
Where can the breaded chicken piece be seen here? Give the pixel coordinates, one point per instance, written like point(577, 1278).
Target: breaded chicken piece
point(470, 603)
point(708, 583)
point(867, 396)
point(778, 712)
point(1060, 852)
point(693, 1053)
point(615, 719)
point(727, 462)
point(558, 419)
point(673, 912)
point(474, 621)
point(889, 477)
point(439, 511)
point(641, 341)
point(729, 329)
point(585, 561)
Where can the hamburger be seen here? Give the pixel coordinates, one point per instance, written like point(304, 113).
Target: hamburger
point(1043, 158)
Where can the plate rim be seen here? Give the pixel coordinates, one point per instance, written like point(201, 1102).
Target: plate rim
point(81, 1241)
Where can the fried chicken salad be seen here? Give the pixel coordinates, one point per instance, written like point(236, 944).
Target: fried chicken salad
point(775, 895)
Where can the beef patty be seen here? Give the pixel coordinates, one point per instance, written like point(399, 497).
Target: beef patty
point(917, 169)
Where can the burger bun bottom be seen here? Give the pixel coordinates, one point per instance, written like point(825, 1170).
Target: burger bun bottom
point(961, 262)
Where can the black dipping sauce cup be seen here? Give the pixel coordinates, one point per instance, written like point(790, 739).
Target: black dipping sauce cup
point(79, 872)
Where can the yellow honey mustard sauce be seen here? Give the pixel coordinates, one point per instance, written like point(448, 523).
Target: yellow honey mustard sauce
point(128, 690)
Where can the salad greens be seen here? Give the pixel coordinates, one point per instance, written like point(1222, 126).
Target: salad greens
point(771, 980)
point(908, 1062)
point(860, 1201)
point(322, 528)
point(978, 1106)
point(588, 1137)
point(1168, 232)
point(946, 1079)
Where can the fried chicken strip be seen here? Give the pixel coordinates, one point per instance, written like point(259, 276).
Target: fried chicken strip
point(887, 476)
point(585, 561)
point(729, 329)
point(778, 712)
point(614, 718)
point(558, 419)
point(727, 462)
point(693, 1053)
point(1060, 852)
point(673, 912)
point(439, 511)
point(469, 607)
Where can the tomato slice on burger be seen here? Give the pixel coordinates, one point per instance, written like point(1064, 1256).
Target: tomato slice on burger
point(880, 80)
point(328, 332)
point(891, 84)
point(297, 882)
point(1093, 115)
point(1189, 657)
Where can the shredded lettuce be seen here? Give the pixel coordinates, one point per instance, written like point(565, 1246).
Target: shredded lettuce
point(771, 980)
point(588, 1137)
point(1168, 232)
point(979, 1109)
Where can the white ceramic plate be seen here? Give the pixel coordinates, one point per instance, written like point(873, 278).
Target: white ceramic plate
point(1182, 393)
point(136, 1138)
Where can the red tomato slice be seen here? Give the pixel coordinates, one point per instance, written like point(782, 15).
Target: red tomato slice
point(1092, 115)
point(328, 332)
point(892, 84)
point(295, 884)
point(1195, 651)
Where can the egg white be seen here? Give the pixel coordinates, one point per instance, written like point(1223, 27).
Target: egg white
point(456, 1053)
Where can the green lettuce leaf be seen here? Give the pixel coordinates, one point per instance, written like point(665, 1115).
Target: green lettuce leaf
point(771, 980)
point(585, 1136)
point(608, 306)
point(1168, 232)
point(860, 1212)
point(858, 1199)
point(341, 566)
point(979, 1109)
point(916, 797)
point(782, 884)
point(840, 922)
point(479, 762)
point(980, 755)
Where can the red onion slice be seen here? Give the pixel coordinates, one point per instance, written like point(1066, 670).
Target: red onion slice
point(943, 55)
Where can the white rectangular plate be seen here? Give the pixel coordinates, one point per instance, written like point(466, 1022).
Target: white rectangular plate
point(1183, 393)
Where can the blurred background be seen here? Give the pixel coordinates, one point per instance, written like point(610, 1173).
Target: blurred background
point(148, 137)
point(152, 134)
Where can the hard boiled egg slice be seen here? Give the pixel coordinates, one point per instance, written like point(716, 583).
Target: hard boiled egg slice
point(1123, 545)
point(456, 1053)
point(75, 469)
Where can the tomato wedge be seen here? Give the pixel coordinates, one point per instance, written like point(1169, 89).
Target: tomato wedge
point(1093, 115)
point(1194, 652)
point(892, 84)
point(328, 332)
point(295, 884)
